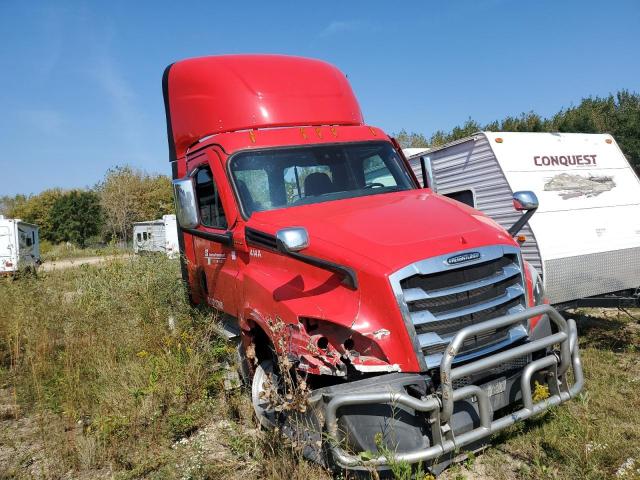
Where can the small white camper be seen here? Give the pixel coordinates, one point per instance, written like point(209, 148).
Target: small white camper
point(156, 236)
point(584, 239)
point(19, 245)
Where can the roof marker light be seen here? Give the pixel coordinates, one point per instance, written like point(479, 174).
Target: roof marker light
point(303, 133)
point(252, 136)
point(608, 140)
point(498, 139)
point(319, 132)
point(334, 131)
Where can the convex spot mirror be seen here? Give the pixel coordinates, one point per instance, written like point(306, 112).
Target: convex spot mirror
point(525, 200)
point(184, 193)
point(292, 239)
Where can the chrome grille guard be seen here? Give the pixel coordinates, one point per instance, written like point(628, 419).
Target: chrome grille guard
point(439, 407)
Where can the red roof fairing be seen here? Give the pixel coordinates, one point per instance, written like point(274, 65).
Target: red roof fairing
point(210, 95)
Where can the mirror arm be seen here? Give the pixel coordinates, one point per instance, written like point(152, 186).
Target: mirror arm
point(516, 227)
point(223, 238)
point(423, 167)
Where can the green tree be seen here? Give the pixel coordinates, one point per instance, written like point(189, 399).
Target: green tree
point(128, 195)
point(617, 114)
point(36, 209)
point(76, 216)
point(411, 140)
point(9, 204)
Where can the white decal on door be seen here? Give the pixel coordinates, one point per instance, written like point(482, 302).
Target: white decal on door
point(212, 257)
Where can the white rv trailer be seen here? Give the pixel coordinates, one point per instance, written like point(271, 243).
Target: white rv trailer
point(584, 239)
point(19, 245)
point(156, 236)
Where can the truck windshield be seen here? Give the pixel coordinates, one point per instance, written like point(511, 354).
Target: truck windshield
point(285, 177)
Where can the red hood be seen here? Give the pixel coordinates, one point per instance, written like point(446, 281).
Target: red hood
point(392, 230)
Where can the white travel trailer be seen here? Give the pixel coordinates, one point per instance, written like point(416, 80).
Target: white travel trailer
point(156, 236)
point(19, 245)
point(584, 238)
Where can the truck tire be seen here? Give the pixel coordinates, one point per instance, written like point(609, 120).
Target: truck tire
point(262, 377)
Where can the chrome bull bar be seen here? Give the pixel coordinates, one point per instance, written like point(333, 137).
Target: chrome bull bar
point(440, 407)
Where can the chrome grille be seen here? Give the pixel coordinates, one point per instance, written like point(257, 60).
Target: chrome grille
point(506, 367)
point(438, 299)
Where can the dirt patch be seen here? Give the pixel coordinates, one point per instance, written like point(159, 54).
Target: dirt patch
point(77, 262)
point(490, 465)
point(21, 449)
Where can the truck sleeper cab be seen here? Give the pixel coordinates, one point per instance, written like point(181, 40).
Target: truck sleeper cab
point(408, 321)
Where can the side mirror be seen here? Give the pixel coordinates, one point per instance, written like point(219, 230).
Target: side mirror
point(523, 201)
point(292, 239)
point(184, 193)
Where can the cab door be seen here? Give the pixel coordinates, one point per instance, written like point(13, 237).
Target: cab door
point(216, 264)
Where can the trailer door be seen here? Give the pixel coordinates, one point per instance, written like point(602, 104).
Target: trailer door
point(6, 249)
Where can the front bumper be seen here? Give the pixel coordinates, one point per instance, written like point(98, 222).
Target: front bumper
point(453, 418)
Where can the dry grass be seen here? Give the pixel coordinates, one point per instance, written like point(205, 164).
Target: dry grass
point(591, 437)
point(61, 251)
point(108, 373)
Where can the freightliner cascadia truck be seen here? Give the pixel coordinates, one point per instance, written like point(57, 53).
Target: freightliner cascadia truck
point(407, 321)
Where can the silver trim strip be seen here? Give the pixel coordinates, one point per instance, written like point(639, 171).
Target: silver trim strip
point(424, 316)
point(514, 335)
point(416, 294)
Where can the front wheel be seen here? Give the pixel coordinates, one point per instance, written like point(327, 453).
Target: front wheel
point(264, 388)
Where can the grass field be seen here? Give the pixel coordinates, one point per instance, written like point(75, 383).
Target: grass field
point(51, 252)
point(106, 372)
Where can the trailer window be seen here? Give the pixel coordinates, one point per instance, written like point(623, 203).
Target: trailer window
point(463, 196)
point(144, 235)
point(287, 177)
point(139, 237)
point(209, 204)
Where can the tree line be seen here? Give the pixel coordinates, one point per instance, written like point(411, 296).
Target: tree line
point(126, 195)
point(617, 114)
point(105, 212)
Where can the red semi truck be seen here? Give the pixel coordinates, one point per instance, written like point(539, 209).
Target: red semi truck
point(409, 321)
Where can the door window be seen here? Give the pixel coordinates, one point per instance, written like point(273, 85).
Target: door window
point(209, 203)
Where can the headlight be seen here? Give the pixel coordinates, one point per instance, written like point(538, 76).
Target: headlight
point(538, 290)
point(538, 287)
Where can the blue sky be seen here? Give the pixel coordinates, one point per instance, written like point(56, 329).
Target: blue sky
point(80, 87)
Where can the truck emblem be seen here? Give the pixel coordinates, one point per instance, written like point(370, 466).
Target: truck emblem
point(464, 257)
